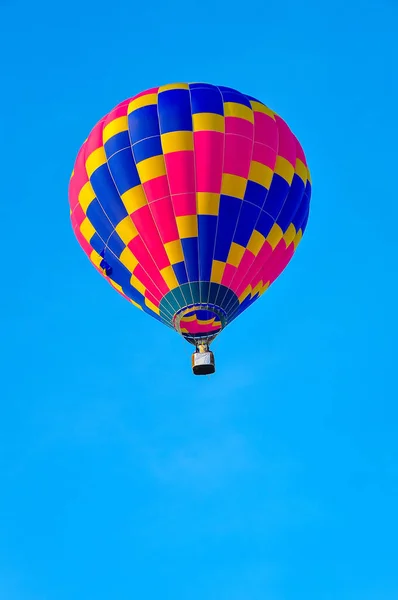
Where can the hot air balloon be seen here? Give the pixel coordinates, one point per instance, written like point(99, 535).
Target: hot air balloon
point(190, 199)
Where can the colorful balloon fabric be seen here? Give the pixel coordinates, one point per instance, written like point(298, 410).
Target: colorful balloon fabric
point(190, 199)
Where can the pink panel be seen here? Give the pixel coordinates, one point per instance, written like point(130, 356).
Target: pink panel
point(239, 126)
point(265, 130)
point(163, 215)
point(238, 154)
point(228, 274)
point(241, 271)
point(184, 204)
point(78, 180)
point(180, 168)
point(209, 151)
point(139, 250)
point(156, 188)
point(287, 142)
point(252, 274)
point(264, 155)
point(146, 228)
point(152, 298)
point(147, 282)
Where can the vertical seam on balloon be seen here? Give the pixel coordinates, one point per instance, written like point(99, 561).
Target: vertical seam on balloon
point(219, 203)
point(114, 230)
point(126, 103)
point(276, 218)
point(240, 212)
point(196, 200)
point(106, 247)
point(150, 211)
point(259, 215)
point(175, 217)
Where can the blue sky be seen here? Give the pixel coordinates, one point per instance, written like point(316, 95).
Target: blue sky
point(122, 475)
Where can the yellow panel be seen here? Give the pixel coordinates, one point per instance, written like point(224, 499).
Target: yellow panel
point(208, 203)
point(235, 254)
point(217, 271)
point(174, 252)
point(150, 168)
point(128, 259)
point(309, 176)
point(234, 109)
point(289, 234)
point(87, 229)
point(245, 293)
point(134, 199)
point(169, 277)
point(258, 288)
point(114, 127)
point(258, 107)
point(297, 239)
point(208, 122)
point(187, 226)
point(86, 196)
point(176, 141)
point(173, 86)
point(301, 170)
point(95, 160)
point(126, 230)
point(136, 283)
point(146, 100)
point(233, 185)
point(150, 305)
point(261, 174)
point(274, 236)
point(73, 172)
point(284, 169)
point(256, 242)
point(96, 258)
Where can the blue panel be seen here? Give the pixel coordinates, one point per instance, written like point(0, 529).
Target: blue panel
point(175, 111)
point(276, 195)
point(199, 85)
point(147, 148)
point(99, 220)
point(123, 170)
point(143, 123)
point(120, 274)
point(207, 100)
point(227, 220)
point(247, 221)
point(255, 193)
point(207, 225)
point(253, 99)
point(292, 203)
point(225, 88)
point(265, 223)
point(180, 272)
point(236, 97)
point(97, 243)
point(117, 142)
point(304, 223)
point(190, 250)
point(107, 194)
point(116, 244)
point(301, 212)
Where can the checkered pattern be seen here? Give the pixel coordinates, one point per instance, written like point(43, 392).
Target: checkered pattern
point(190, 195)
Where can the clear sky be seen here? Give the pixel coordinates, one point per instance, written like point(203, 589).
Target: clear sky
point(122, 476)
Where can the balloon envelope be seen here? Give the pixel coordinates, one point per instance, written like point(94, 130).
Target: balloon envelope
point(190, 199)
